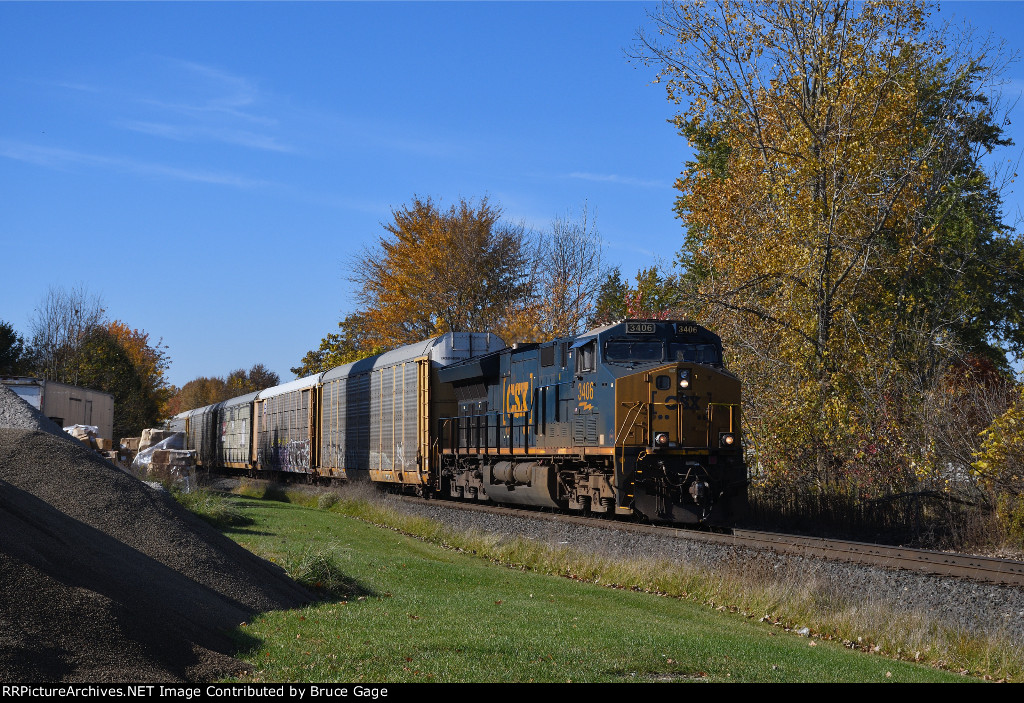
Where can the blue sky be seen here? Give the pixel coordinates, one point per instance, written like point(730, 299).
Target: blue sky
point(210, 168)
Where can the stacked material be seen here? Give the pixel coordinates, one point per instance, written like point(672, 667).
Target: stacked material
point(151, 437)
point(86, 434)
point(127, 449)
point(167, 461)
point(103, 579)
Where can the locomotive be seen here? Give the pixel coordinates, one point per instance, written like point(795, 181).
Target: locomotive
point(638, 418)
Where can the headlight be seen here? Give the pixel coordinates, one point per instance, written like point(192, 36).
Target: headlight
point(684, 378)
point(726, 439)
point(661, 439)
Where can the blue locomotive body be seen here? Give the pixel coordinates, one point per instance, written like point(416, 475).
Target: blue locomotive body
point(639, 417)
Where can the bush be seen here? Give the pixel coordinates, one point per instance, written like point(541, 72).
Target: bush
point(318, 571)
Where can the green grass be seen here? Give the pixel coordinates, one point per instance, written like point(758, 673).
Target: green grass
point(216, 508)
point(403, 609)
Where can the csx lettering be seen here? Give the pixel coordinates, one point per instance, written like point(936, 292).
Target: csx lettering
point(585, 391)
point(689, 402)
point(517, 398)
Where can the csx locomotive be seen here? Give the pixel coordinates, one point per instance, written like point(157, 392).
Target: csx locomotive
point(634, 418)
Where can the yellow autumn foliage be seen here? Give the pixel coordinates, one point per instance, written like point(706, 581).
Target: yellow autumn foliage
point(828, 135)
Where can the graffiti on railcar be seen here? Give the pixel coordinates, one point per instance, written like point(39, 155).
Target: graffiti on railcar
point(400, 462)
point(380, 461)
point(285, 455)
point(298, 454)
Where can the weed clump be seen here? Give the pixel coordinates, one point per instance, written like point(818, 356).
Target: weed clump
point(216, 508)
point(326, 501)
point(319, 571)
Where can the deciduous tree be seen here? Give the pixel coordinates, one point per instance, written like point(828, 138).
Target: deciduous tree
point(198, 393)
point(435, 271)
point(999, 464)
point(74, 343)
point(349, 344)
point(104, 363)
point(653, 294)
point(150, 360)
point(58, 325)
point(841, 232)
point(569, 276)
point(241, 382)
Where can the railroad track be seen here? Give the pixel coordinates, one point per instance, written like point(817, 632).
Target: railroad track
point(976, 568)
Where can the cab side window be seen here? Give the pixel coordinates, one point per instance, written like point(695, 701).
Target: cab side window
point(586, 357)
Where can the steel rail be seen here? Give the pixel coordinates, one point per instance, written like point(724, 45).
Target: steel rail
point(970, 566)
point(977, 568)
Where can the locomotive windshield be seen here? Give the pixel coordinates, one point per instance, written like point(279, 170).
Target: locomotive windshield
point(697, 353)
point(632, 350)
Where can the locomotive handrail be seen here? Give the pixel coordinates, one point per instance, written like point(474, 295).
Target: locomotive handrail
point(637, 406)
point(710, 416)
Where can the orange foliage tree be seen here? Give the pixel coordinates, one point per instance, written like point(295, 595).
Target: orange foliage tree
point(150, 360)
point(206, 390)
point(458, 269)
point(435, 271)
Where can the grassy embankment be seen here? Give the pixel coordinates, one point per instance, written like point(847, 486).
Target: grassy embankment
point(419, 602)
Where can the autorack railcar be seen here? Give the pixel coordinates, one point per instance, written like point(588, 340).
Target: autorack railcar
point(376, 414)
point(369, 419)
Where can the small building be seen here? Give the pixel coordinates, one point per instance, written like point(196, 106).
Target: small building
point(66, 405)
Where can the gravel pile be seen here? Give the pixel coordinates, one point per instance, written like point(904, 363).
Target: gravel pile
point(104, 579)
point(971, 607)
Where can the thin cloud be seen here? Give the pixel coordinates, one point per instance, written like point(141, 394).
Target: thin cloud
point(200, 103)
point(203, 111)
point(224, 92)
point(64, 159)
point(192, 133)
point(619, 246)
point(79, 87)
point(621, 180)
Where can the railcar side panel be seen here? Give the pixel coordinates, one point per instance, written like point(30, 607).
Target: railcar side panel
point(236, 429)
point(284, 426)
point(345, 426)
point(377, 415)
point(394, 433)
point(201, 434)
